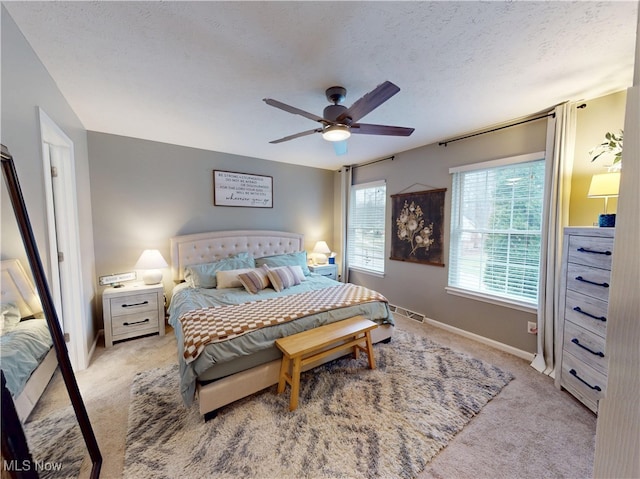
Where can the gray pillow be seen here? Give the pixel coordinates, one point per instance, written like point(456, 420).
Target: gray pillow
point(204, 275)
point(288, 259)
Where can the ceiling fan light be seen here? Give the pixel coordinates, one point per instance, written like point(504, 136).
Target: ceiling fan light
point(336, 133)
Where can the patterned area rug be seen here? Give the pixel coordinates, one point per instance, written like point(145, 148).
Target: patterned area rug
point(56, 445)
point(351, 422)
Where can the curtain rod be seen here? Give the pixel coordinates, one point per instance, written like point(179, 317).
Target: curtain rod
point(392, 157)
point(446, 142)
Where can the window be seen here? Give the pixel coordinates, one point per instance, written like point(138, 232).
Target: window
point(365, 230)
point(496, 223)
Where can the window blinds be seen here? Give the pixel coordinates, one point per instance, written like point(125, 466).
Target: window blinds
point(365, 233)
point(496, 230)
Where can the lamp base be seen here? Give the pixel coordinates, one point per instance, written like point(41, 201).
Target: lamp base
point(607, 221)
point(152, 276)
point(320, 258)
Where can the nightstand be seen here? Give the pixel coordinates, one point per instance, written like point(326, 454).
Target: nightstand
point(131, 311)
point(328, 270)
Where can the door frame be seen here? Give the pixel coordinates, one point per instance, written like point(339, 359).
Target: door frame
point(66, 277)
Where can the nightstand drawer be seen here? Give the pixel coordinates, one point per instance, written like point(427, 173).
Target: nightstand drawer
point(326, 270)
point(136, 323)
point(134, 304)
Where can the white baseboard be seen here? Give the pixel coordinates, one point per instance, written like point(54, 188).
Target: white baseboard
point(94, 345)
point(421, 318)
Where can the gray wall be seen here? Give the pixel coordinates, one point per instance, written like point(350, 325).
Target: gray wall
point(145, 192)
point(421, 288)
point(26, 85)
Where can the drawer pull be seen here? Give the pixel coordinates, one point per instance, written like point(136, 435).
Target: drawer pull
point(580, 278)
point(585, 250)
point(599, 318)
point(136, 322)
point(575, 374)
point(595, 353)
point(135, 304)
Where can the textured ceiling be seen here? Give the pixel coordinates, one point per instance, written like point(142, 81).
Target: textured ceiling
point(195, 73)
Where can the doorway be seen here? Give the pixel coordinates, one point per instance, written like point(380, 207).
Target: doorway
point(64, 239)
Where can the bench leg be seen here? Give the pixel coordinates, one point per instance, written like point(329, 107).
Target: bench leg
point(295, 383)
point(372, 361)
point(356, 349)
point(284, 370)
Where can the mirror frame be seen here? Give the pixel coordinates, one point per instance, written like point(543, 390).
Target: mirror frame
point(51, 316)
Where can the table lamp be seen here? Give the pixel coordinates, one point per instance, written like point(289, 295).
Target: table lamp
point(605, 185)
point(152, 262)
point(320, 251)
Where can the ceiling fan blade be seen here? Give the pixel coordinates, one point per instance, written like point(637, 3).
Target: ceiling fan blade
point(297, 135)
point(294, 110)
point(369, 102)
point(340, 147)
point(368, 129)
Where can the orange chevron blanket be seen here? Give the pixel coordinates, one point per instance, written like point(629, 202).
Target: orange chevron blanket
point(207, 325)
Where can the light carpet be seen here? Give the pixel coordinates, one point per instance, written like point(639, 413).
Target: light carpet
point(56, 445)
point(351, 422)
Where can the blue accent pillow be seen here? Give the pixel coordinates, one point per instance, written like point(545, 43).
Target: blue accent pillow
point(204, 275)
point(289, 259)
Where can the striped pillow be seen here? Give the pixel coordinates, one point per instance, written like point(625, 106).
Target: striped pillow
point(254, 280)
point(284, 277)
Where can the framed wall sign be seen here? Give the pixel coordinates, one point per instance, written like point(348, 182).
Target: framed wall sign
point(241, 189)
point(417, 226)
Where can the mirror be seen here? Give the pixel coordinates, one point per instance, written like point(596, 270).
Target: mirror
point(15, 450)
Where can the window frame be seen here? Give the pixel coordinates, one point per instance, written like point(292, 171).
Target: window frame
point(350, 235)
point(506, 301)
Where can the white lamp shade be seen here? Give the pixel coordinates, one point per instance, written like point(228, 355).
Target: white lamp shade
point(604, 185)
point(321, 247)
point(320, 251)
point(152, 262)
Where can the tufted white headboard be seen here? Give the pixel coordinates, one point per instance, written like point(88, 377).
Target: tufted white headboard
point(18, 288)
point(208, 247)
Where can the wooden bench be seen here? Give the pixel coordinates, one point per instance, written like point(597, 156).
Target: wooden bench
point(314, 344)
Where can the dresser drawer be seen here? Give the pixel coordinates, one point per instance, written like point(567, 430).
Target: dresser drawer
point(585, 346)
point(587, 312)
point(587, 280)
point(582, 380)
point(135, 324)
point(591, 251)
point(134, 304)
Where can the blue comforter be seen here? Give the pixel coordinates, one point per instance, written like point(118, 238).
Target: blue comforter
point(186, 298)
point(22, 349)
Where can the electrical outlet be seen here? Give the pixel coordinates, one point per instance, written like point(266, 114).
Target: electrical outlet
point(532, 327)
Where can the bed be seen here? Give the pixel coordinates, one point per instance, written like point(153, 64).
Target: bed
point(28, 358)
point(240, 362)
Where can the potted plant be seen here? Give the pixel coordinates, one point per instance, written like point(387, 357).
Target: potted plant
point(610, 148)
point(606, 185)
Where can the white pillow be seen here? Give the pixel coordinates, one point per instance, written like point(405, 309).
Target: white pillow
point(229, 278)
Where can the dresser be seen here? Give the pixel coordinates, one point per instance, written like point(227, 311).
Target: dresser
point(131, 311)
point(584, 300)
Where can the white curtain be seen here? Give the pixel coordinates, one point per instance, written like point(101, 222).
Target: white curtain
point(345, 196)
point(560, 151)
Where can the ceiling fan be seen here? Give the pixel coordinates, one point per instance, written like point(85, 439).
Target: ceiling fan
point(339, 122)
